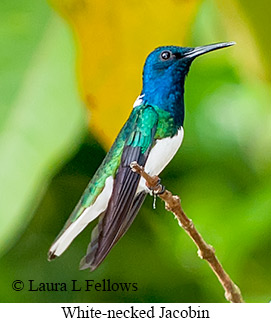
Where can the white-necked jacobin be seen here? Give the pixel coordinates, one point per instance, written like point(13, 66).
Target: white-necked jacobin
point(151, 136)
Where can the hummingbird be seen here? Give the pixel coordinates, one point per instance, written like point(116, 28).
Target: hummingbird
point(151, 137)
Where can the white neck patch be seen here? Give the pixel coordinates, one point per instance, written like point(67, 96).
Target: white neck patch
point(139, 100)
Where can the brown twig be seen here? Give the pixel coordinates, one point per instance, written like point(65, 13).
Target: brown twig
point(205, 251)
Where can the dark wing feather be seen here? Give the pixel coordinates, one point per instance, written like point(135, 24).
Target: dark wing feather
point(138, 201)
point(124, 204)
point(93, 246)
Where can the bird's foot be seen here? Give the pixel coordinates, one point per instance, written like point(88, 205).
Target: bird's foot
point(153, 183)
point(156, 189)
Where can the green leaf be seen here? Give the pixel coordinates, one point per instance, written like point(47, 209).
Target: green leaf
point(43, 128)
point(22, 25)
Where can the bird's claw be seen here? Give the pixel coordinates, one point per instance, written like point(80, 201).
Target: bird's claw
point(157, 189)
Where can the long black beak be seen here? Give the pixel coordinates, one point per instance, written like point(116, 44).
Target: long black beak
point(197, 51)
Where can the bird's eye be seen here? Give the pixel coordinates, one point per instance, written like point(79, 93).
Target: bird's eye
point(165, 55)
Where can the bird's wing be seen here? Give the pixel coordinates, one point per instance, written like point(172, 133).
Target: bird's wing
point(94, 200)
point(94, 244)
point(137, 203)
point(124, 204)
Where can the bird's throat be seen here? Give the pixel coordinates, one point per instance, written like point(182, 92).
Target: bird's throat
point(167, 95)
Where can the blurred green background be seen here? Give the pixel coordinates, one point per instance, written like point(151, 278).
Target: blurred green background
point(48, 153)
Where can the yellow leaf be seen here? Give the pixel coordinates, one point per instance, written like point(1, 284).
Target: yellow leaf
point(114, 38)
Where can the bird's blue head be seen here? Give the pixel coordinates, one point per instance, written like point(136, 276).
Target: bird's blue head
point(164, 74)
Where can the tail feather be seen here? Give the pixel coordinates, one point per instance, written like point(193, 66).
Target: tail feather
point(72, 229)
point(66, 238)
point(90, 260)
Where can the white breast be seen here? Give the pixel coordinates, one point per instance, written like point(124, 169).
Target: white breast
point(160, 155)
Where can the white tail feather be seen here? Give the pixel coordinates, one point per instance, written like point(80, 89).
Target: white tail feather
point(89, 214)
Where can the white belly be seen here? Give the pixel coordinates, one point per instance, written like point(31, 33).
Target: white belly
point(160, 155)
